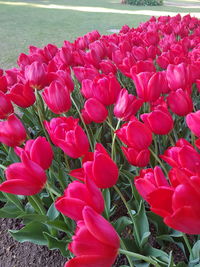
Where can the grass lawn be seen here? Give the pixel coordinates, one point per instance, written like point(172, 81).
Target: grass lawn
point(24, 25)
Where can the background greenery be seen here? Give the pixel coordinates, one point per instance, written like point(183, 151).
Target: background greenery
point(28, 24)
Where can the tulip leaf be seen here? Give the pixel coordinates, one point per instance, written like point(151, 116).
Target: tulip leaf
point(107, 199)
point(15, 200)
point(32, 232)
point(52, 212)
point(171, 261)
point(58, 224)
point(122, 223)
point(27, 217)
point(9, 210)
point(157, 253)
point(195, 255)
point(55, 243)
point(141, 224)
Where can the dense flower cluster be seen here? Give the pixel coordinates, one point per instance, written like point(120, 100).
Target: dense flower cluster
point(143, 81)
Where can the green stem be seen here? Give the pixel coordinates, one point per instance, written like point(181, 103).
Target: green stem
point(127, 256)
point(52, 191)
point(3, 167)
point(159, 161)
point(187, 243)
point(129, 211)
point(113, 153)
point(139, 257)
point(38, 204)
point(171, 140)
point(85, 127)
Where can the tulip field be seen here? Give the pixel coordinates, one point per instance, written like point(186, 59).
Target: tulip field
point(100, 146)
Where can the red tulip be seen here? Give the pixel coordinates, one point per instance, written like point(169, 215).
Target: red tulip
point(92, 168)
point(95, 243)
point(159, 121)
point(12, 131)
point(24, 178)
point(6, 107)
point(127, 105)
point(94, 111)
point(82, 73)
point(149, 85)
point(135, 134)
point(78, 195)
point(36, 75)
point(38, 150)
point(57, 97)
point(180, 102)
point(68, 135)
point(136, 157)
point(22, 95)
point(193, 122)
point(3, 84)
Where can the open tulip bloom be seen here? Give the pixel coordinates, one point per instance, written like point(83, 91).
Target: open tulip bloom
point(100, 145)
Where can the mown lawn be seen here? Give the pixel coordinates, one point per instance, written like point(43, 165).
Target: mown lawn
point(21, 26)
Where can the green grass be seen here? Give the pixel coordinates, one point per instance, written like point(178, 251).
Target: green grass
point(22, 26)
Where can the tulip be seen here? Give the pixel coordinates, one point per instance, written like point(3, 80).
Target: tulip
point(126, 105)
point(12, 131)
point(159, 121)
point(78, 195)
point(25, 178)
point(149, 85)
point(178, 76)
point(3, 84)
point(68, 135)
point(86, 88)
point(38, 150)
point(64, 77)
point(180, 102)
point(95, 243)
point(82, 73)
point(95, 111)
point(136, 157)
point(57, 97)
point(6, 107)
point(99, 167)
point(193, 122)
point(107, 66)
point(36, 75)
point(135, 134)
point(22, 95)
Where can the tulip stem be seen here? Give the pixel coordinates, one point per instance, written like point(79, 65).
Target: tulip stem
point(2, 167)
point(85, 127)
point(159, 161)
point(187, 243)
point(127, 256)
point(129, 211)
point(113, 150)
point(139, 257)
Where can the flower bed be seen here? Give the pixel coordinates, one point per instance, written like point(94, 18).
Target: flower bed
point(99, 122)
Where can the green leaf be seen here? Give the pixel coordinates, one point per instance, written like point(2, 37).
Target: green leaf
point(27, 217)
point(15, 200)
point(195, 255)
point(9, 210)
point(121, 223)
point(141, 231)
point(157, 253)
point(52, 212)
point(32, 232)
point(171, 261)
point(55, 243)
point(59, 225)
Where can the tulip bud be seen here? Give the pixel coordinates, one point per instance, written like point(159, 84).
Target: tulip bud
point(12, 131)
point(96, 111)
point(6, 107)
point(193, 122)
point(57, 97)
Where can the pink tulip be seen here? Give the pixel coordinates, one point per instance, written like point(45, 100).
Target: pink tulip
point(12, 131)
point(95, 111)
point(6, 107)
point(193, 122)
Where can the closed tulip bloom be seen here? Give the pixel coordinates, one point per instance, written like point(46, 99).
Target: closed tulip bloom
point(106, 89)
point(38, 150)
point(78, 195)
point(12, 131)
point(36, 75)
point(6, 107)
point(68, 135)
point(135, 134)
point(96, 111)
point(25, 178)
point(127, 105)
point(178, 76)
point(82, 73)
point(159, 121)
point(95, 242)
point(57, 97)
point(3, 84)
point(149, 85)
point(22, 95)
point(193, 122)
point(180, 102)
point(139, 158)
point(107, 66)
